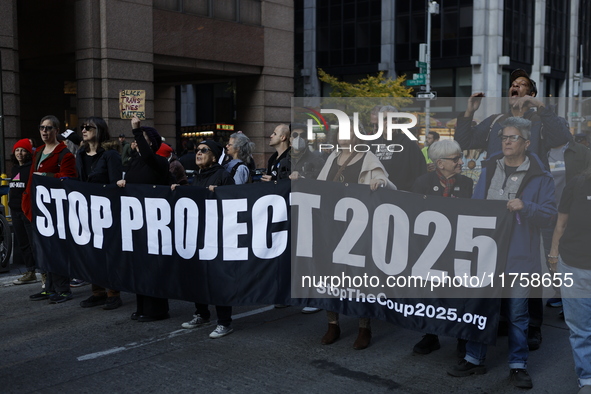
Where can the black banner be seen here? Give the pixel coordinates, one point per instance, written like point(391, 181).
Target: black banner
point(233, 247)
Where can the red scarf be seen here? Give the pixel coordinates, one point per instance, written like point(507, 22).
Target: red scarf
point(448, 183)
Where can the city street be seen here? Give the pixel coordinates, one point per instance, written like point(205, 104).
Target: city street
point(67, 349)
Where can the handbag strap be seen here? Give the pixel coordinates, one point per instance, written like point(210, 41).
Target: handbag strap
point(342, 168)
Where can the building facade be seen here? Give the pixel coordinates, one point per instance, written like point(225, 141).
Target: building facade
point(199, 61)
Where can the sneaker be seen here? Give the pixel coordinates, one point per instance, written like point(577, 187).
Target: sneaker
point(221, 331)
point(466, 368)
point(93, 301)
point(58, 298)
point(309, 309)
point(78, 283)
point(197, 321)
point(534, 338)
point(28, 277)
point(112, 303)
point(554, 302)
point(520, 378)
point(44, 295)
point(281, 306)
point(428, 344)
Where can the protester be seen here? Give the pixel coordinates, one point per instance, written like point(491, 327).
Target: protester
point(582, 139)
point(566, 162)
point(54, 160)
point(346, 165)
point(401, 157)
point(518, 177)
point(210, 175)
point(445, 181)
point(302, 162)
point(548, 131)
point(23, 232)
point(570, 256)
point(125, 150)
point(176, 169)
point(432, 137)
point(240, 149)
point(279, 140)
point(98, 161)
point(147, 168)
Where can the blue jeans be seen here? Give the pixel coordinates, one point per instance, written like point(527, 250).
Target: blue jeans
point(518, 320)
point(577, 314)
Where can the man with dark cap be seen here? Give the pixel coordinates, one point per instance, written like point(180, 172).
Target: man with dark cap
point(548, 131)
point(125, 150)
point(582, 139)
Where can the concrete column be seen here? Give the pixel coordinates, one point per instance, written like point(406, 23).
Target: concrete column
point(114, 51)
point(539, 44)
point(487, 47)
point(388, 39)
point(310, 73)
point(276, 82)
point(9, 78)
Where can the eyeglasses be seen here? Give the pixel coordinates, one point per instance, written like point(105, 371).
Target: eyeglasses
point(43, 128)
point(512, 138)
point(296, 134)
point(87, 127)
point(454, 159)
point(204, 150)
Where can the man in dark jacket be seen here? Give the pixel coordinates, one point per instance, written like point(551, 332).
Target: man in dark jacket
point(548, 130)
point(520, 179)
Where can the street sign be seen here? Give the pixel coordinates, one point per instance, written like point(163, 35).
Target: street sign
point(427, 96)
point(412, 82)
point(418, 76)
point(421, 64)
point(578, 120)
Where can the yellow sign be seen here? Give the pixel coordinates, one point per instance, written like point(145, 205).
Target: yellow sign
point(132, 103)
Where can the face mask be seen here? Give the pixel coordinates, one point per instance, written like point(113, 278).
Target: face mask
point(298, 144)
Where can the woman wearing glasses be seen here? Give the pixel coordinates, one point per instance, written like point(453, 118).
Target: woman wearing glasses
point(98, 161)
point(210, 175)
point(147, 168)
point(445, 181)
point(51, 159)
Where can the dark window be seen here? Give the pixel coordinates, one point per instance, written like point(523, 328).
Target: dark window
point(557, 27)
point(243, 11)
point(518, 31)
point(451, 31)
point(348, 33)
point(584, 34)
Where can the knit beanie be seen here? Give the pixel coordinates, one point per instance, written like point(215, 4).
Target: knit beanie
point(25, 144)
point(153, 136)
point(216, 148)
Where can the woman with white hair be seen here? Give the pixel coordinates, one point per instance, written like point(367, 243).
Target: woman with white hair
point(446, 180)
point(240, 148)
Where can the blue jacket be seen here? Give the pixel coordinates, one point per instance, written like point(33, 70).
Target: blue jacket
point(548, 131)
point(537, 193)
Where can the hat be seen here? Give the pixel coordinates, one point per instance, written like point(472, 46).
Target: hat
point(216, 148)
point(153, 136)
point(164, 151)
point(522, 73)
point(121, 135)
point(25, 144)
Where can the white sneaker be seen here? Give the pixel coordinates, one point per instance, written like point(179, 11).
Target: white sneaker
point(221, 331)
point(310, 309)
point(197, 321)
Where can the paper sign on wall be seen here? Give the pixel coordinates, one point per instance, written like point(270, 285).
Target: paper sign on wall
point(132, 102)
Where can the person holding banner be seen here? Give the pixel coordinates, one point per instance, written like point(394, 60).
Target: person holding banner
point(444, 181)
point(147, 168)
point(349, 166)
point(210, 175)
point(518, 177)
point(23, 232)
point(570, 259)
point(98, 161)
point(52, 159)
